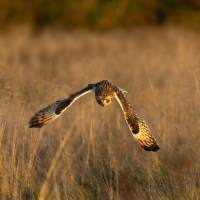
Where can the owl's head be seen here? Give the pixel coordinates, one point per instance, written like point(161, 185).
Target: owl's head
point(104, 93)
point(104, 101)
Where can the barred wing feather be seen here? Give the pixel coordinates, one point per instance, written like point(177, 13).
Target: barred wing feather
point(139, 129)
point(54, 110)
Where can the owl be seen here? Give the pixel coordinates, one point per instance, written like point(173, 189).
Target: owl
point(105, 92)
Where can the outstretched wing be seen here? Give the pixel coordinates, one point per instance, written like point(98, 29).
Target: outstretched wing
point(54, 110)
point(139, 129)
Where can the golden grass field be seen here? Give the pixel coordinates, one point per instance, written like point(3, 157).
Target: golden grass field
point(89, 152)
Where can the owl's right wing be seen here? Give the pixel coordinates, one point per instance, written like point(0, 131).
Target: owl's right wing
point(139, 129)
point(55, 109)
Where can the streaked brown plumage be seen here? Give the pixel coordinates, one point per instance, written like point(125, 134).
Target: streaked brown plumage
point(105, 92)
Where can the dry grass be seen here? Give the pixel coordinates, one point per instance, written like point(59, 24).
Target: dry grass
point(89, 152)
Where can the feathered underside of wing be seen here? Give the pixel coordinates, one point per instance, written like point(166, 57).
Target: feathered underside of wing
point(54, 110)
point(44, 116)
point(139, 129)
point(145, 138)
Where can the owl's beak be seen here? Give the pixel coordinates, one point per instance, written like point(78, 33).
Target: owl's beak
point(102, 104)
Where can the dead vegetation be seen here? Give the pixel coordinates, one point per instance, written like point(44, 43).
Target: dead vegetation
point(89, 152)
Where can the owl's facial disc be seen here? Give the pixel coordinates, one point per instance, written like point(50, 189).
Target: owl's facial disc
point(104, 101)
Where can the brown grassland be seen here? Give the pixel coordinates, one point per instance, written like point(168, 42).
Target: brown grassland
point(89, 152)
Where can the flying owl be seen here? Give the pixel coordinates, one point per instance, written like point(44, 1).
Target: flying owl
point(105, 92)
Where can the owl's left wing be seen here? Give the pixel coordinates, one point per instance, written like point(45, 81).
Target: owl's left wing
point(55, 109)
point(139, 129)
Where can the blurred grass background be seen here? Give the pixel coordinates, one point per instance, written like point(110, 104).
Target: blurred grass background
point(99, 14)
point(149, 48)
point(89, 152)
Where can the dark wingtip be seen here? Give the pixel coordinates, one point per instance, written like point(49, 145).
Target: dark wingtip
point(31, 126)
point(35, 126)
point(33, 123)
point(152, 148)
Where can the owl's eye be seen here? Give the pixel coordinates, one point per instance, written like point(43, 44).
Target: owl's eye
point(107, 101)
